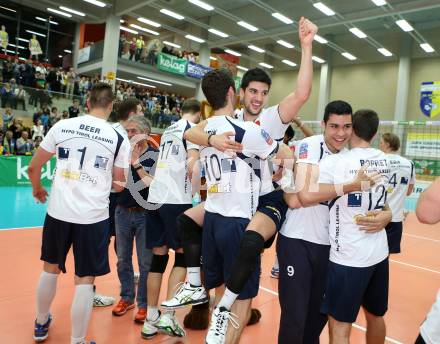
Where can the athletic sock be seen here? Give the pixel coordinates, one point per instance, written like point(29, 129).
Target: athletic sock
point(46, 290)
point(227, 299)
point(81, 311)
point(152, 313)
point(193, 274)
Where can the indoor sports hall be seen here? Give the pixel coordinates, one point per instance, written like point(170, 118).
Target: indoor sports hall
point(382, 55)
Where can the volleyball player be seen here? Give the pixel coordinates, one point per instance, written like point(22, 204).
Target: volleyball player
point(90, 155)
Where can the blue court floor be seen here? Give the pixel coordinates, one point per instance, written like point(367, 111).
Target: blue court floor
point(19, 210)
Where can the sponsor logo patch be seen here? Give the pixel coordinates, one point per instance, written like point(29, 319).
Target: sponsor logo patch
point(304, 151)
point(266, 137)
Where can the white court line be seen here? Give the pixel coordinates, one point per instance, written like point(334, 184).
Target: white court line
point(415, 266)
point(10, 229)
point(421, 237)
point(391, 340)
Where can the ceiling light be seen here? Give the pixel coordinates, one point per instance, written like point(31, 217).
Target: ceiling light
point(19, 47)
point(122, 21)
point(195, 39)
point(68, 51)
point(8, 9)
point(324, 9)
point(320, 39)
point(318, 59)
point(12, 52)
point(358, 33)
point(282, 18)
point(68, 15)
point(379, 2)
point(156, 81)
point(253, 47)
point(265, 65)
point(45, 20)
point(144, 29)
point(22, 59)
point(36, 33)
point(172, 44)
point(171, 14)
point(202, 4)
point(23, 39)
point(247, 26)
point(385, 52)
point(288, 62)
point(141, 84)
point(232, 52)
point(213, 58)
point(285, 44)
point(96, 3)
point(218, 33)
point(427, 47)
point(60, 56)
point(404, 25)
point(349, 56)
point(123, 28)
point(67, 9)
point(242, 68)
point(149, 22)
point(123, 80)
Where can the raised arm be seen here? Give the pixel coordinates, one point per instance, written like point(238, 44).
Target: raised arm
point(428, 205)
point(290, 106)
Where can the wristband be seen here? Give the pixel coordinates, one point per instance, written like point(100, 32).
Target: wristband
point(137, 167)
point(209, 138)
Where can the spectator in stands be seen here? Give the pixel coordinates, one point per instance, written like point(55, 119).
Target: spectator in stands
point(7, 118)
point(132, 48)
point(7, 96)
point(70, 83)
point(36, 116)
point(38, 130)
point(52, 81)
point(20, 97)
point(24, 145)
point(140, 44)
point(54, 116)
point(65, 115)
point(122, 41)
point(7, 69)
point(8, 143)
point(28, 74)
point(152, 50)
point(74, 109)
point(17, 70)
point(37, 142)
point(45, 120)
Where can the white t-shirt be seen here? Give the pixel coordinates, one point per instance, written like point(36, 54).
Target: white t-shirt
point(171, 184)
point(351, 246)
point(403, 174)
point(430, 329)
point(87, 148)
point(310, 223)
point(269, 120)
point(234, 182)
point(120, 129)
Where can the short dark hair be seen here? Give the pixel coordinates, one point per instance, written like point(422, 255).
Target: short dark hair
point(392, 140)
point(337, 107)
point(125, 107)
point(365, 124)
point(290, 133)
point(255, 74)
point(101, 95)
point(191, 106)
point(215, 86)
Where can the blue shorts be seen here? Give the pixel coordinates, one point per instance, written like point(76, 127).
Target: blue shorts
point(301, 287)
point(221, 244)
point(349, 288)
point(89, 241)
point(161, 225)
point(394, 234)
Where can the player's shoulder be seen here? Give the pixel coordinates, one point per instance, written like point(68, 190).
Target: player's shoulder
point(271, 110)
point(314, 140)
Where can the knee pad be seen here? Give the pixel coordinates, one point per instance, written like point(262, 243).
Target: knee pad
point(159, 263)
point(189, 230)
point(251, 246)
point(179, 260)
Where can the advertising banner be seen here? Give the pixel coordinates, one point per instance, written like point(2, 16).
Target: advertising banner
point(195, 70)
point(430, 98)
point(171, 64)
point(84, 55)
point(14, 171)
point(426, 145)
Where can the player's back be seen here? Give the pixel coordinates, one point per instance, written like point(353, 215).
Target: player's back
point(86, 147)
point(171, 184)
point(402, 175)
point(350, 245)
point(234, 180)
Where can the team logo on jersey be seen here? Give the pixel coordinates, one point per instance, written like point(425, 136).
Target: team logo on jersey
point(175, 150)
point(303, 150)
point(354, 200)
point(257, 122)
point(404, 181)
point(266, 137)
point(101, 162)
point(63, 153)
point(228, 165)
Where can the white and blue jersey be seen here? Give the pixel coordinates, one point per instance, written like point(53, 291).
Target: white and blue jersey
point(234, 181)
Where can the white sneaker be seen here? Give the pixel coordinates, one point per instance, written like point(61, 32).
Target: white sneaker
point(220, 319)
point(102, 300)
point(187, 295)
point(169, 325)
point(136, 277)
point(149, 330)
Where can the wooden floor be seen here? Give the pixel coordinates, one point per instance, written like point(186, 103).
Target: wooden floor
point(414, 281)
